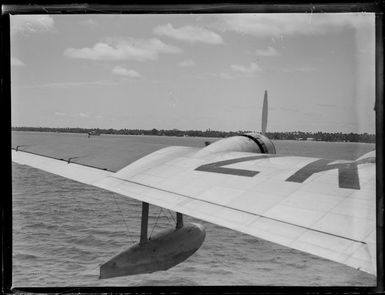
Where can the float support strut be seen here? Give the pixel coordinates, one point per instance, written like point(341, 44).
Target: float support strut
point(144, 223)
point(179, 220)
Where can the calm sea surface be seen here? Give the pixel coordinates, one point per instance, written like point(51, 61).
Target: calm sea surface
point(63, 230)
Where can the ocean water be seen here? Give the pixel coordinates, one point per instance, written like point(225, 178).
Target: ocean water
point(63, 231)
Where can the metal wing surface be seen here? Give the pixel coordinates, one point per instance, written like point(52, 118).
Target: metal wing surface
point(326, 208)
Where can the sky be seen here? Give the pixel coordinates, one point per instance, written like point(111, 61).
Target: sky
point(194, 71)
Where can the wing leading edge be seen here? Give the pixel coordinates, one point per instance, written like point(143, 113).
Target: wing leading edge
point(323, 208)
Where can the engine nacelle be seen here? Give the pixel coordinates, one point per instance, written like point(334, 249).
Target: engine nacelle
point(265, 145)
point(248, 143)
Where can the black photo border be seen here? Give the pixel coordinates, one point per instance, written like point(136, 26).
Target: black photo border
point(144, 7)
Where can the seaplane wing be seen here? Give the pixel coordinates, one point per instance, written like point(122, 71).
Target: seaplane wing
point(323, 207)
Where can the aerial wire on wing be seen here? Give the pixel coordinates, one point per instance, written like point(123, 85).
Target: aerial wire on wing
point(173, 219)
point(157, 218)
point(124, 220)
point(168, 219)
point(156, 222)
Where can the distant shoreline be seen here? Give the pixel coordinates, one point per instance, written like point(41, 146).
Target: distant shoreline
point(296, 135)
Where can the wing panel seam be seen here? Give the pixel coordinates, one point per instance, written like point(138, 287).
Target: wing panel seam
point(240, 210)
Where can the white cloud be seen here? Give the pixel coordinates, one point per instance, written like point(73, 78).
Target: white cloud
point(88, 23)
point(82, 115)
point(31, 23)
point(118, 49)
point(190, 34)
point(70, 84)
point(298, 69)
point(226, 75)
point(237, 72)
point(61, 114)
point(187, 63)
point(231, 75)
point(16, 62)
point(276, 25)
point(252, 68)
point(269, 51)
point(118, 70)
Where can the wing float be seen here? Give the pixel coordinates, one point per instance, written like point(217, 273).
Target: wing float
point(323, 207)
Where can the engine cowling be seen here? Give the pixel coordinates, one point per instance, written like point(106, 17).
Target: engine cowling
point(248, 143)
point(265, 145)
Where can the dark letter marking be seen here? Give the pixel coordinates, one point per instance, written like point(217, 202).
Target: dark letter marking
point(217, 166)
point(347, 172)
